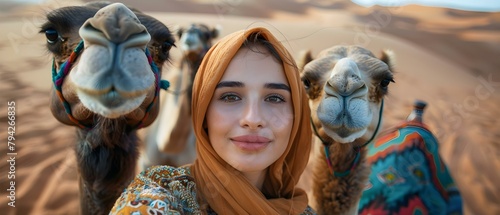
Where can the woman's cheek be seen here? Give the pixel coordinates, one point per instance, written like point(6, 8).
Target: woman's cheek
point(280, 118)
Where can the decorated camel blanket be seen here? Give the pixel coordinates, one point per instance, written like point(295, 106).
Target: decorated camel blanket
point(408, 175)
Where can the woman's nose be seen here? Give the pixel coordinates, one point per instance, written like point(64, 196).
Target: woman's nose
point(253, 117)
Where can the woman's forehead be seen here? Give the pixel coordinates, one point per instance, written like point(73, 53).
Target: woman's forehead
point(252, 64)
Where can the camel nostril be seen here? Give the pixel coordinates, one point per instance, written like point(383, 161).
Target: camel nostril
point(115, 22)
point(345, 78)
point(345, 87)
point(361, 88)
point(345, 81)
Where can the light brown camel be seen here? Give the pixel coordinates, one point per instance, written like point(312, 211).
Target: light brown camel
point(105, 83)
point(170, 139)
point(195, 41)
point(346, 86)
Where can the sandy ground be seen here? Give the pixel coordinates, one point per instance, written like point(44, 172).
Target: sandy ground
point(448, 58)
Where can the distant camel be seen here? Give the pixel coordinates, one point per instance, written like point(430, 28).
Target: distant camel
point(107, 62)
point(346, 86)
point(170, 139)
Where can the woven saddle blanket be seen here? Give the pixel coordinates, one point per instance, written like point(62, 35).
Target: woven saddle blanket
point(407, 175)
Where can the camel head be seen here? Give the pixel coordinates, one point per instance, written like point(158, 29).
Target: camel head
point(111, 77)
point(346, 86)
point(196, 40)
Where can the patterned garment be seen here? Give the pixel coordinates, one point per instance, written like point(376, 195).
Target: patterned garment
point(408, 175)
point(163, 190)
point(159, 190)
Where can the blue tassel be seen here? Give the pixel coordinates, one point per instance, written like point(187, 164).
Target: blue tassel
point(164, 84)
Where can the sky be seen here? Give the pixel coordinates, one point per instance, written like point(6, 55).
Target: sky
point(23, 1)
point(472, 5)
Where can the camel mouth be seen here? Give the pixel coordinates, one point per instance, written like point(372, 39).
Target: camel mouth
point(111, 104)
point(111, 99)
point(114, 93)
point(191, 47)
point(342, 128)
point(345, 120)
point(114, 99)
point(344, 134)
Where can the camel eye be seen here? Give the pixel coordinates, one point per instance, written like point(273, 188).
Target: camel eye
point(386, 83)
point(307, 83)
point(166, 46)
point(52, 36)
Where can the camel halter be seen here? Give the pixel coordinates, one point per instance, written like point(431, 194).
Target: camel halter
point(58, 78)
point(357, 149)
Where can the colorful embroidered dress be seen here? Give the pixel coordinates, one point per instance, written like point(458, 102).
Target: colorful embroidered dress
point(159, 190)
point(163, 190)
point(408, 175)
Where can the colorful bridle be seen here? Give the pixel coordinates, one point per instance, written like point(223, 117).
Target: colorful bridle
point(58, 78)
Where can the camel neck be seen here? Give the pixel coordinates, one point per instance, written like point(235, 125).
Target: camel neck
point(343, 158)
point(109, 133)
point(106, 158)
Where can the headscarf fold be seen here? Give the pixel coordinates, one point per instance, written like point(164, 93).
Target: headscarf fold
point(224, 188)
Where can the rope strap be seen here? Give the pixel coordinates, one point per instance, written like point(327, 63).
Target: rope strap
point(58, 78)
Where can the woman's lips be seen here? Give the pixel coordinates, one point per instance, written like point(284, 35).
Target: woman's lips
point(251, 142)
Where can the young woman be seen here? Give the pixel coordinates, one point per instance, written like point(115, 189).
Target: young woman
point(251, 120)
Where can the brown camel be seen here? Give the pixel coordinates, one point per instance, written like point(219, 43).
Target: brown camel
point(106, 72)
point(170, 139)
point(346, 86)
point(194, 43)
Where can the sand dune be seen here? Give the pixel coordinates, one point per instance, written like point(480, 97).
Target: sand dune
point(448, 58)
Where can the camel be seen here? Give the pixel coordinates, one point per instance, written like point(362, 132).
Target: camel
point(107, 62)
point(346, 86)
point(170, 139)
point(195, 42)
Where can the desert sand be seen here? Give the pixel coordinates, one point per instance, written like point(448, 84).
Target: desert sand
point(449, 58)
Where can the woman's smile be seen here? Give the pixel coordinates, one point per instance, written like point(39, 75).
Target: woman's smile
point(251, 142)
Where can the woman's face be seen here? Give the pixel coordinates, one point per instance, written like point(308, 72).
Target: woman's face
point(250, 115)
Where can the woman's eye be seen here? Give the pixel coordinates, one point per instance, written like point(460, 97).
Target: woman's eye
point(275, 99)
point(229, 98)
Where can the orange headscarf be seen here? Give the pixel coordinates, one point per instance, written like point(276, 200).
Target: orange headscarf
point(224, 188)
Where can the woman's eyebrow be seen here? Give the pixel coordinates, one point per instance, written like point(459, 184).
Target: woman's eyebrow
point(229, 84)
point(277, 86)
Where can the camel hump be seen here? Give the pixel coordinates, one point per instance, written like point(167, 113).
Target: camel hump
point(416, 115)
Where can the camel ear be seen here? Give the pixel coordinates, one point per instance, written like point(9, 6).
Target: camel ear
point(304, 58)
point(216, 31)
point(389, 58)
